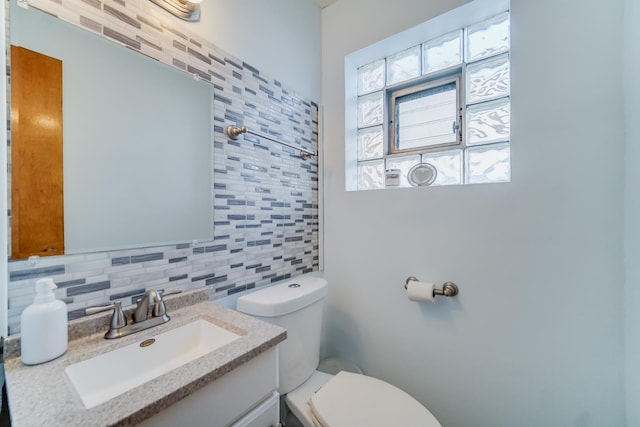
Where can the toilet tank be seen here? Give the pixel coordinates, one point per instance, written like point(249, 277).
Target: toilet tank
point(297, 306)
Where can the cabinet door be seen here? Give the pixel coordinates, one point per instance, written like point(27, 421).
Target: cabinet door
point(267, 414)
point(229, 398)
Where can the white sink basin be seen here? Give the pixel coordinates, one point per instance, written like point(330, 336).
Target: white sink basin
point(106, 376)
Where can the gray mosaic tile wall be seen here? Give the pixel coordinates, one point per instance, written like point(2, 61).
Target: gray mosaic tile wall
point(265, 196)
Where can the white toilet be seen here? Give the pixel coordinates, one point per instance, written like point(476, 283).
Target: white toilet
point(318, 399)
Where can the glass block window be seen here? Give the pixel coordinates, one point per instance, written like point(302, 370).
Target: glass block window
point(371, 143)
point(370, 110)
point(487, 163)
point(404, 65)
point(443, 52)
point(448, 164)
point(371, 77)
point(445, 102)
point(487, 38)
point(488, 122)
point(488, 79)
point(371, 175)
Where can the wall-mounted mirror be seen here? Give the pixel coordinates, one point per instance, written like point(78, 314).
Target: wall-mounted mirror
point(137, 141)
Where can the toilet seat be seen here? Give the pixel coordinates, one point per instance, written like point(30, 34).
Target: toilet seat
point(349, 400)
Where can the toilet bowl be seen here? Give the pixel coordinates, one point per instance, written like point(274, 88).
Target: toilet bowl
point(318, 399)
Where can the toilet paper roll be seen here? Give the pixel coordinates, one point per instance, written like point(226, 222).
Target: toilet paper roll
point(420, 291)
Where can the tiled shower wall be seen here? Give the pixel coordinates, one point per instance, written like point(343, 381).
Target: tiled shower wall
point(265, 195)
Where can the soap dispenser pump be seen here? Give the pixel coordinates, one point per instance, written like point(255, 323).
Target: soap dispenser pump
point(43, 326)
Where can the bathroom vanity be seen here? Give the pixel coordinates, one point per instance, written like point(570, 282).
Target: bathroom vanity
point(232, 383)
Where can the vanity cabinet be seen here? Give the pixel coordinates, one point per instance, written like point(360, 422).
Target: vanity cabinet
point(266, 414)
point(245, 397)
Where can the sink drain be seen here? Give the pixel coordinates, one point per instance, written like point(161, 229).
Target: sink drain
point(147, 343)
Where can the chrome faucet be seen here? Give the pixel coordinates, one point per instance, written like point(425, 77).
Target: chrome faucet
point(141, 312)
point(140, 316)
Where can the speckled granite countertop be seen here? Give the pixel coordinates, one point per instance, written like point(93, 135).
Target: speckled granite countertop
point(42, 395)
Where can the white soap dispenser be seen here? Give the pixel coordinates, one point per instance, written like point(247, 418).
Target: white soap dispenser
point(43, 326)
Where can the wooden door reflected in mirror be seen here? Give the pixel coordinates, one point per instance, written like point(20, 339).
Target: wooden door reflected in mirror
point(36, 154)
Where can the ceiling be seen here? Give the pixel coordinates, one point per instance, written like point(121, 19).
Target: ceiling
point(324, 3)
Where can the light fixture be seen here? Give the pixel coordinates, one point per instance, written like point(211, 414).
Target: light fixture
point(183, 9)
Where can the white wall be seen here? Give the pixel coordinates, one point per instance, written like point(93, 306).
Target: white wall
point(535, 336)
point(632, 210)
point(279, 37)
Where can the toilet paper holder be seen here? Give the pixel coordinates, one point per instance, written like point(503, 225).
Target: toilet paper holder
point(449, 289)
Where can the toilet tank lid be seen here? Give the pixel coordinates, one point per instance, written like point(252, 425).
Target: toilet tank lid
point(283, 298)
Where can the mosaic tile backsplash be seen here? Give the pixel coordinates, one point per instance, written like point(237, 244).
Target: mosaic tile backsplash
point(265, 196)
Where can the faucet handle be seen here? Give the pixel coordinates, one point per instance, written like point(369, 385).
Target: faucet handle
point(172, 292)
point(159, 309)
point(118, 319)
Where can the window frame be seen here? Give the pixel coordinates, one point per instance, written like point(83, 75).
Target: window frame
point(436, 79)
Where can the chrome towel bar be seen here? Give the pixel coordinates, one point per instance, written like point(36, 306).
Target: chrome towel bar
point(234, 131)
